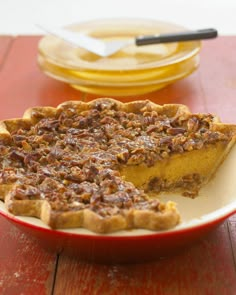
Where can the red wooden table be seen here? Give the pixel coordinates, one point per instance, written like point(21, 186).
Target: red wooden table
point(209, 267)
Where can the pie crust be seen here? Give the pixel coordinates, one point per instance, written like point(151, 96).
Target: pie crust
point(101, 165)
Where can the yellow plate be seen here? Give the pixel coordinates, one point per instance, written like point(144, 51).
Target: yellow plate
point(136, 69)
point(116, 86)
point(130, 58)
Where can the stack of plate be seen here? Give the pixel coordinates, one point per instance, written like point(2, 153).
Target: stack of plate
point(133, 70)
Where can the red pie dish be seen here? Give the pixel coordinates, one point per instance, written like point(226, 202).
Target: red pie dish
point(215, 203)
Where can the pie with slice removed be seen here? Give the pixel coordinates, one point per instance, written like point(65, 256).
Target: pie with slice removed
point(101, 165)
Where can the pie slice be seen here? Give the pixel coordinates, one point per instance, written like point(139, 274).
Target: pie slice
point(101, 165)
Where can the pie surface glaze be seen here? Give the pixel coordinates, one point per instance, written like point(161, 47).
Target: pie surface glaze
point(101, 165)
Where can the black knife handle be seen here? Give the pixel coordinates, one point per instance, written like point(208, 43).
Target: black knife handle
point(177, 36)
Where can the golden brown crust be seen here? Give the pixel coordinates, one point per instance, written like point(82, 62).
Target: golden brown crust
point(144, 213)
point(168, 217)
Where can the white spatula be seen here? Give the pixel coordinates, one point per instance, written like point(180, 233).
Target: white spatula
point(106, 48)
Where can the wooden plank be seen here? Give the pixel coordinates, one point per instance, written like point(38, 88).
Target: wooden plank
point(218, 83)
point(25, 268)
point(218, 76)
point(28, 86)
point(23, 85)
point(232, 232)
point(207, 268)
point(232, 218)
point(5, 43)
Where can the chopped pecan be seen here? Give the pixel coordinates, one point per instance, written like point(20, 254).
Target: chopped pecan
point(176, 130)
point(8, 175)
point(31, 157)
point(136, 159)
point(50, 184)
point(123, 156)
point(155, 184)
point(17, 155)
point(119, 199)
point(193, 124)
point(26, 193)
point(47, 124)
point(76, 175)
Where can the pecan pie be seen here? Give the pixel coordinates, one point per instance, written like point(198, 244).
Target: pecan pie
point(101, 165)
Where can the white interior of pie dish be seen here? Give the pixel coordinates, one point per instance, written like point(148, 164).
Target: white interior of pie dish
point(216, 200)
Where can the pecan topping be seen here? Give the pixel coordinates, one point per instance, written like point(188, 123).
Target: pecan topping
point(72, 158)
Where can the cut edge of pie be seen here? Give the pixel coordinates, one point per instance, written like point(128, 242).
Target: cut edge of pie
point(173, 172)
